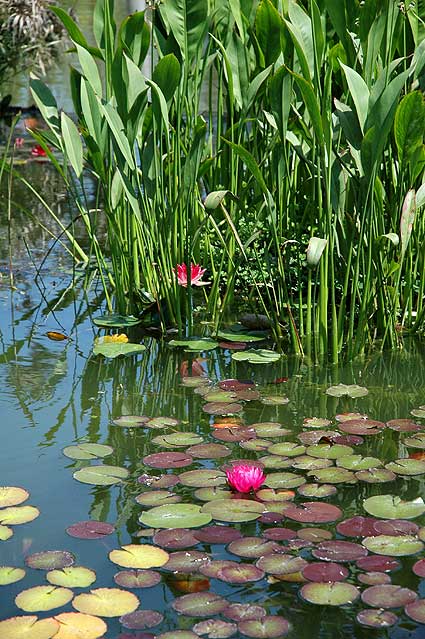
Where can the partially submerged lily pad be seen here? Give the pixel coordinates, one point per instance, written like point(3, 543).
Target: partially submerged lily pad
point(50, 560)
point(330, 594)
point(194, 344)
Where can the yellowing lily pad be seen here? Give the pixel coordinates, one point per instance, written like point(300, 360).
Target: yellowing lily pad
point(72, 577)
point(18, 515)
point(12, 496)
point(42, 598)
point(77, 625)
point(87, 451)
point(175, 516)
point(106, 602)
point(334, 593)
point(101, 475)
point(9, 575)
point(139, 556)
point(28, 627)
point(5, 533)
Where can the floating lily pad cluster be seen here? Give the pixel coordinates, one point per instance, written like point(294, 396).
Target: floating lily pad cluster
point(192, 524)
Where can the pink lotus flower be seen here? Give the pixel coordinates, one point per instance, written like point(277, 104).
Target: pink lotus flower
point(245, 475)
point(196, 273)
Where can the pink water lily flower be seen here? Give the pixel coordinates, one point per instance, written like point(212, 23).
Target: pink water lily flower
point(196, 273)
point(245, 475)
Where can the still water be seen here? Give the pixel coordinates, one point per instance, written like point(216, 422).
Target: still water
point(56, 393)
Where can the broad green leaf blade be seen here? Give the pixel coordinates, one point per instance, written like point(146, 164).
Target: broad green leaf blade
point(407, 219)
point(89, 69)
point(73, 144)
point(359, 92)
point(409, 124)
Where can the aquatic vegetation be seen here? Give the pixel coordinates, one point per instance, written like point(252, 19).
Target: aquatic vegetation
point(245, 476)
point(196, 274)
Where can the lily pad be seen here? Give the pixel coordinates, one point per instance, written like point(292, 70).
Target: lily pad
point(403, 425)
point(357, 462)
point(215, 492)
point(106, 602)
point(268, 627)
point(222, 408)
point(406, 467)
point(279, 564)
point(275, 461)
point(416, 610)
point(418, 568)
point(115, 349)
point(130, 421)
point(177, 634)
point(91, 529)
point(194, 344)
point(313, 512)
point(175, 538)
point(329, 451)
point(316, 535)
point(176, 516)
point(242, 336)
point(317, 491)
point(200, 604)
point(187, 561)
point(333, 475)
point(339, 551)
point(378, 564)
point(252, 547)
point(305, 462)
point(388, 596)
point(376, 618)
point(363, 427)
point(374, 578)
point(284, 480)
point(259, 356)
point(163, 481)
point(415, 441)
point(208, 451)
point(418, 412)
point(376, 475)
point(12, 496)
point(14, 515)
point(233, 510)
point(28, 627)
point(176, 440)
point(141, 619)
point(168, 460)
point(274, 400)
point(320, 571)
point(392, 507)
point(400, 546)
point(137, 578)
point(101, 475)
point(76, 625)
point(270, 430)
point(240, 573)
point(316, 422)
point(287, 449)
point(234, 434)
point(256, 444)
point(351, 390)
point(357, 526)
point(5, 533)
point(87, 451)
point(157, 498)
point(330, 594)
point(10, 575)
point(73, 577)
point(395, 527)
point(203, 477)
point(115, 320)
point(217, 534)
point(43, 598)
point(244, 612)
point(50, 560)
point(215, 628)
point(139, 556)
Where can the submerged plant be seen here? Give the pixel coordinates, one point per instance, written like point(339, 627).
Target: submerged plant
point(244, 475)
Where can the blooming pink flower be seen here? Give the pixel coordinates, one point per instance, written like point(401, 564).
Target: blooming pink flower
point(245, 475)
point(196, 273)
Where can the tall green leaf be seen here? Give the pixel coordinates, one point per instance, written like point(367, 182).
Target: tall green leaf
point(89, 69)
point(268, 29)
point(167, 74)
point(72, 142)
point(359, 92)
point(188, 22)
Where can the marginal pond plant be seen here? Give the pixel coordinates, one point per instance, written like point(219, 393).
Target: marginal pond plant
point(280, 145)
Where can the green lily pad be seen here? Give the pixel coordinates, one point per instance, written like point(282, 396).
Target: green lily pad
point(351, 390)
point(375, 475)
point(9, 575)
point(260, 356)
point(28, 627)
point(394, 546)
point(203, 478)
point(287, 449)
point(335, 593)
point(12, 496)
point(275, 400)
point(130, 421)
point(196, 344)
point(5, 533)
point(72, 577)
point(242, 336)
point(415, 441)
point(392, 507)
point(329, 451)
point(233, 510)
point(115, 320)
point(284, 480)
point(15, 515)
point(357, 462)
point(418, 412)
point(106, 602)
point(175, 516)
point(316, 422)
point(115, 349)
point(43, 598)
point(219, 396)
point(406, 467)
point(276, 461)
point(175, 440)
point(209, 494)
point(101, 475)
point(305, 462)
point(157, 498)
point(333, 475)
point(87, 451)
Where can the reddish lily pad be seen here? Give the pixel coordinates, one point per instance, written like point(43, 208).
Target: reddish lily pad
point(374, 578)
point(222, 408)
point(235, 384)
point(217, 534)
point(330, 594)
point(313, 512)
point(357, 526)
point(240, 573)
point(348, 440)
point(418, 568)
point(345, 417)
point(168, 460)
point(376, 618)
point(208, 451)
point(403, 425)
point(141, 619)
point(163, 481)
point(186, 561)
point(199, 604)
point(314, 437)
point(388, 596)
point(378, 564)
point(50, 560)
point(252, 547)
point(271, 517)
point(416, 610)
point(362, 427)
point(215, 628)
point(268, 627)
point(395, 527)
point(317, 491)
point(279, 534)
point(12, 496)
point(244, 612)
point(137, 578)
point(90, 529)
point(212, 568)
point(339, 551)
point(316, 535)
point(321, 571)
point(277, 564)
point(231, 435)
point(175, 538)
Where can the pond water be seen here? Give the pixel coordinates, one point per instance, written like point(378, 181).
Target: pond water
point(57, 393)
